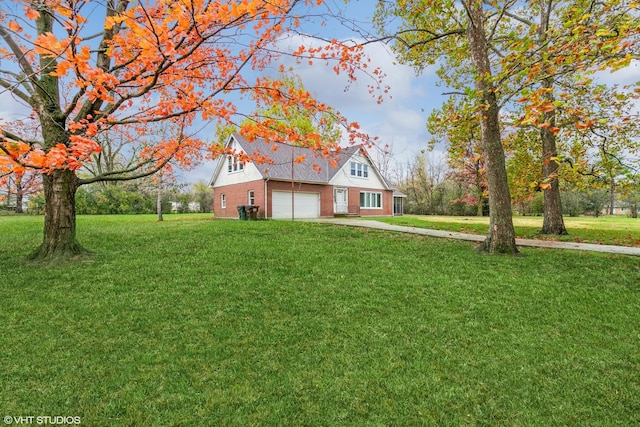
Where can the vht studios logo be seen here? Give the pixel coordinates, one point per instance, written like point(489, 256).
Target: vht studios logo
point(41, 420)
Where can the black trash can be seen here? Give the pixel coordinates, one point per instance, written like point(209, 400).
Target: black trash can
point(252, 212)
point(242, 212)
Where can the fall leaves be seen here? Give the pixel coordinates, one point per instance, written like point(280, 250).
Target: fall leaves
point(16, 155)
point(145, 63)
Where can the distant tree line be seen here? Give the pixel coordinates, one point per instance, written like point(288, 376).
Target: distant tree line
point(446, 186)
point(135, 197)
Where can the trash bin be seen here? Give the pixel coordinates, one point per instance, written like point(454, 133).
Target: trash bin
point(242, 212)
point(252, 212)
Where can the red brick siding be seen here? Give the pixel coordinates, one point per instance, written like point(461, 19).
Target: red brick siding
point(238, 194)
point(387, 202)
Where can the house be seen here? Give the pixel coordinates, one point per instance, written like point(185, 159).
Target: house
point(180, 207)
point(313, 188)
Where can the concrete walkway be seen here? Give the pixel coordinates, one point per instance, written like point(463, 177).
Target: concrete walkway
point(624, 250)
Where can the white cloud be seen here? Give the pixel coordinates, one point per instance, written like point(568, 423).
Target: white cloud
point(12, 109)
point(399, 120)
point(626, 76)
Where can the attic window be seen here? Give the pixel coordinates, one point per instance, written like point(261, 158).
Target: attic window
point(359, 170)
point(234, 164)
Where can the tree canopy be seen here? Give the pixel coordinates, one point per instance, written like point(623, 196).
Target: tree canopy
point(88, 67)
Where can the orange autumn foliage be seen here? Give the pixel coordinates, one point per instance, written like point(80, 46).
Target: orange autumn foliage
point(154, 62)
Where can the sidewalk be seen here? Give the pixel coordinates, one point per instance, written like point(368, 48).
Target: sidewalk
point(623, 250)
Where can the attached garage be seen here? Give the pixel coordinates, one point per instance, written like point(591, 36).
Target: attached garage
point(305, 205)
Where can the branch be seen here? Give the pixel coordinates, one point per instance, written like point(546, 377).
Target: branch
point(22, 61)
point(6, 134)
point(14, 90)
point(434, 37)
point(519, 18)
point(121, 175)
point(103, 61)
point(17, 52)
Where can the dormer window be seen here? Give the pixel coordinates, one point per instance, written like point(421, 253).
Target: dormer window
point(359, 170)
point(234, 164)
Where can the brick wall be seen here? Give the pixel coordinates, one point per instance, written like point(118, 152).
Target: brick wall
point(387, 202)
point(238, 194)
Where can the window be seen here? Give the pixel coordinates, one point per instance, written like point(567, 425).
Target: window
point(223, 201)
point(252, 198)
point(359, 170)
point(234, 164)
point(370, 200)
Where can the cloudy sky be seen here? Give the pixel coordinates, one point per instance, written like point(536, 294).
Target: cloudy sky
point(400, 120)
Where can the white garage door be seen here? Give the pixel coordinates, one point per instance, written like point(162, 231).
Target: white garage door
point(305, 205)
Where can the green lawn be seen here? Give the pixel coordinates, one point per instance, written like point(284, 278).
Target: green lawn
point(195, 322)
point(611, 230)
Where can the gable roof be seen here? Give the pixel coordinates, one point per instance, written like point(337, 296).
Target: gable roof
point(282, 155)
point(315, 169)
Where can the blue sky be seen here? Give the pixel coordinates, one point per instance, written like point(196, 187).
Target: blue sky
point(400, 120)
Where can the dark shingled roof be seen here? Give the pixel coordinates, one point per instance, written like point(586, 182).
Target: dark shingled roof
point(280, 166)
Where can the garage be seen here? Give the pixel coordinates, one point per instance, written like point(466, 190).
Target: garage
point(306, 205)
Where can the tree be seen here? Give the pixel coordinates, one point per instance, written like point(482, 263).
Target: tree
point(203, 195)
point(464, 152)
point(550, 49)
point(460, 36)
point(530, 47)
point(18, 181)
point(288, 122)
point(423, 175)
point(128, 65)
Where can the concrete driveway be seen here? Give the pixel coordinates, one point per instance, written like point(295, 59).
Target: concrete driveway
point(623, 250)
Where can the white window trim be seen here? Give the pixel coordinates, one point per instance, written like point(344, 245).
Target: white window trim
point(251, 195)
point(223, 201)
point(358, 170)
point(234, 165)
point(370, 193)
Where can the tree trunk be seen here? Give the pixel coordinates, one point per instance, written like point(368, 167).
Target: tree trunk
point(553, 222)
point(19, 195)
point(612, 197)
point(159, 199)
point(59, 243)
point(501, 235)
point(479, 191)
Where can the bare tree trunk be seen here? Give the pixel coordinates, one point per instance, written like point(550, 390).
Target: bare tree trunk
point(59, 243)
point(501, 235)
point(612, 197)
point(479, 191)
point(159, 199)
point(19, 194)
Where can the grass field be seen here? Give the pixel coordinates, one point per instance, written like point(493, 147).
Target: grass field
point(195, 322)
point(609, 230)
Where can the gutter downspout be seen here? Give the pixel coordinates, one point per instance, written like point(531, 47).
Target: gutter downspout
point(265, 199)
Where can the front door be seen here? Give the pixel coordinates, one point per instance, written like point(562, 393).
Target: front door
point(340, 201)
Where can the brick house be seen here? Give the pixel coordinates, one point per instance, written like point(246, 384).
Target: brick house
point(284, 189)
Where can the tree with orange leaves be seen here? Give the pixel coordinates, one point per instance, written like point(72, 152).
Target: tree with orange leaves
point(131, 64)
